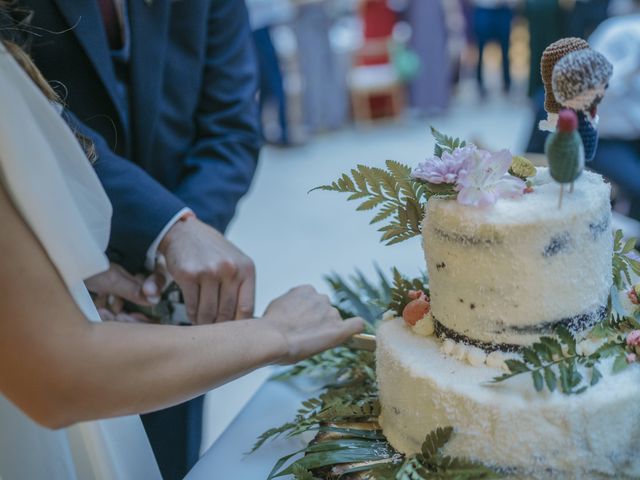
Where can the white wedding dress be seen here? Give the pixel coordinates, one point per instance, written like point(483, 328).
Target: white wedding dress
point(56, 191)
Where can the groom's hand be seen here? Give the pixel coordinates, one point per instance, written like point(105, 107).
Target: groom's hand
point(217, 280)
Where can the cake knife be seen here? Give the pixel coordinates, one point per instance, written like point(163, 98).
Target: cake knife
point(362, 341)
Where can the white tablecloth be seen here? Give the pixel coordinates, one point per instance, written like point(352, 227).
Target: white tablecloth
point(274, 404)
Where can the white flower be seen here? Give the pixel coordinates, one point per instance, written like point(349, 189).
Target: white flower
point(484, 179)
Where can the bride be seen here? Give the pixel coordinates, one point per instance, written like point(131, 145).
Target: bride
point(59, 365)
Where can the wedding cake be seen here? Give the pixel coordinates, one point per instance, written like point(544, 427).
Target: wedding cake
point(527, 284)
point(500, 278)
point(519, 353)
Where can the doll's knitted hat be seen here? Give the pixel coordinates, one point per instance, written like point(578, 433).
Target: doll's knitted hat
point(579, 73)
point(551, 55)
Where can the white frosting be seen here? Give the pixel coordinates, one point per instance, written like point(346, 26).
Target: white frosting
point(498, 273)
point(497, 360)
point(424, 326)
point(468, 353)
point(540, 435)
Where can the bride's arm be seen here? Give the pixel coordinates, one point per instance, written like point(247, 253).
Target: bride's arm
point(60, 368)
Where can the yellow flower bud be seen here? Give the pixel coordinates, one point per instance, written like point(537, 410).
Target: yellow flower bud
point(522, 167)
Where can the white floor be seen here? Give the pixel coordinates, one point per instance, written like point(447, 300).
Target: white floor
point(295, 237)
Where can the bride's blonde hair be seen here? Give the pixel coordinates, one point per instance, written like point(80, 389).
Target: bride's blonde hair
point(15, 21)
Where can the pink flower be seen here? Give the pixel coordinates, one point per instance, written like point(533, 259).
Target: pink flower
point(631, 357)
point(445, 169)
point(633, 338)
point(484, 179)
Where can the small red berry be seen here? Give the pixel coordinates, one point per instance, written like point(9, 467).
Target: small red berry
point(567, 120)
point(415, 310)
point(528, 189)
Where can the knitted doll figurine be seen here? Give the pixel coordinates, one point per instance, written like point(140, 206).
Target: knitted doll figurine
point(579, 81)
point(565, 151)
point(551, 55)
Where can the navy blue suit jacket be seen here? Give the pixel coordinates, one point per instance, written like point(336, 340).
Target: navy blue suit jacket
point(193, 122)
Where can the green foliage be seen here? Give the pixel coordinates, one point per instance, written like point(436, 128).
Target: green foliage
point(444, 143)
point(339, 402)
point(623, 265)
point(555, 364)
point(330, 453)
point(301, 473)
point(357, 296)
point(431, 464)
point(376, 457)
point(401, 287)
point(397, 199)
point(342, 362)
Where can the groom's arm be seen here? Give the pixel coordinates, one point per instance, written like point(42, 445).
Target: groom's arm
point(219, 167)
point(217, 279)
point(142, 208)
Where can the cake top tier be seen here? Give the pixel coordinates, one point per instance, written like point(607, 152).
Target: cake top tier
point(513, 271)
point(541, 205)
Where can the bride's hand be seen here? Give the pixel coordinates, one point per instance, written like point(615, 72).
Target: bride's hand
point(112, 287)
point(308, 323)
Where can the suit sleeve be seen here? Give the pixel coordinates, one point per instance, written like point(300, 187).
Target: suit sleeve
point(141, 206)
point(219, 167)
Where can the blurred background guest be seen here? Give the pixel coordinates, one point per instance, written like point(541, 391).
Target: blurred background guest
point(618, 155)
point(264, 15)
point(492, 21)
point(546, 25)
point(437, 36)
point(323, 88)
point(585, 16)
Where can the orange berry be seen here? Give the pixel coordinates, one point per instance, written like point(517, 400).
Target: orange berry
point(416, 310)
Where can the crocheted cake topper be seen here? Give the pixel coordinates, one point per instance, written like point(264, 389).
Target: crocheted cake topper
point(565, 151)
point(579, 80)
point(551, 55)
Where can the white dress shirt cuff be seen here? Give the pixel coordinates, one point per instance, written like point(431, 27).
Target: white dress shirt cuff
point(152, 252)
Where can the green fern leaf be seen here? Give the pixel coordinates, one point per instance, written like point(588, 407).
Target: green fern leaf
point(550, 379)
point(516, 366)
point(384, 213)
point(566, 337)
point(531, 357)
point(435, 441)
point(301, 473)
point(538, 381)
point(370, 204)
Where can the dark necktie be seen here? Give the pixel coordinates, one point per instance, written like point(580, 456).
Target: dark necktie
point(111, 23)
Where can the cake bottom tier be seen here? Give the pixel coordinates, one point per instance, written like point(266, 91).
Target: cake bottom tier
point(507, 425)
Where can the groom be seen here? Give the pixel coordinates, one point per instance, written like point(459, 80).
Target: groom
point(168, 87)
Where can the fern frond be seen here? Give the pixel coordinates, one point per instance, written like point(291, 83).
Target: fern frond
point(555, 363)
point(623, 264)
point(390, 193)
point(445, 143)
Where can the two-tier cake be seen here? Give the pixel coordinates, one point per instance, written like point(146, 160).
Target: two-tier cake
point(526, 340)
point(501, 277)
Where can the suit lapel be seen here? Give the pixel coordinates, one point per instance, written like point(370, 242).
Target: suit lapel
point(83, 16)
point(149, 25)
